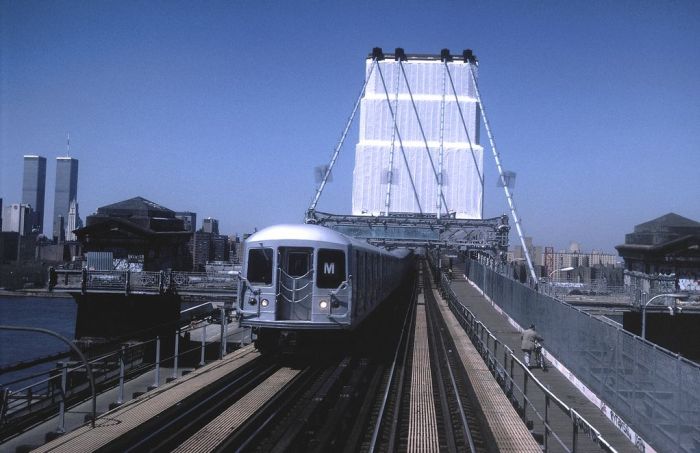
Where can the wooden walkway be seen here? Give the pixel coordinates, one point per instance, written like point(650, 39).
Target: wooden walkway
point(557, 383)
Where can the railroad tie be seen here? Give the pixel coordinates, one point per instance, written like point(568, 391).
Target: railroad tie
point(215, 432)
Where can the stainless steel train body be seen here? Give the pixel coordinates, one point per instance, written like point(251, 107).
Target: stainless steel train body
point(308, 277)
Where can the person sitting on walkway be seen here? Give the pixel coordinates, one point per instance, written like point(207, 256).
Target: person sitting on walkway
point(528, 338)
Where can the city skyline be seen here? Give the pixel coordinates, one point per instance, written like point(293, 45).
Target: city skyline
point(226, 110)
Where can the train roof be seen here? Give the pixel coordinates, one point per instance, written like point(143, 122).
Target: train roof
point(308, 232)
point(301, 232)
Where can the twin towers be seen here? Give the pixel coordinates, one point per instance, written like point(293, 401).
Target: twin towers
point(65, 205)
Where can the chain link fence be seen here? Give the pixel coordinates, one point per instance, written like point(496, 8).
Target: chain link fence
point(652, 391)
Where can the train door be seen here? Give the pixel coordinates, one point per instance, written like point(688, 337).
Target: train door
point(294, 283)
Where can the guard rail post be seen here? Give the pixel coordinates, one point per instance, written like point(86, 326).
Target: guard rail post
point(546, 421)
point(224, 327)
point(177, 354)
point(156, 374)
point(161, 283)
point(204, 335)
point(62, 405)
point(120, 393)
point(6, 394)
point(83, 280)
point(525, 396)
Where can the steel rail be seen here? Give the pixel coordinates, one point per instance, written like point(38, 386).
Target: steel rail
point(400, 385)
point(405, 332)
point(169, 430)
point(246, 435)
point(439, 335)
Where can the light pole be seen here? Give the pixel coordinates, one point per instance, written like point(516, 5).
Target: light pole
point(563, 269)
point(644, 309)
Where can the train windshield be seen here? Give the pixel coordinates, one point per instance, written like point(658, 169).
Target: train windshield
point(260, 266)
point(330, 272)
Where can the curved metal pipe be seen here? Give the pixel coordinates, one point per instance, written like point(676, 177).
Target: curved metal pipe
point(75, 349)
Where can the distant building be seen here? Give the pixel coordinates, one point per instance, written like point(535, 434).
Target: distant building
point(74, 221)
point(210, 225)
point(189, 220)
point(34, 189)
point(536, 252)
point(17, 217)
point(235, 248)
point(66, 192)
point(138, 231)
point(662, 255)
point(200, 248)
point(583, 259)
point(205, 247)
point(588, 265)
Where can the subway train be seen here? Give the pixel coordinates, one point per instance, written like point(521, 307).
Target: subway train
point(298, 279)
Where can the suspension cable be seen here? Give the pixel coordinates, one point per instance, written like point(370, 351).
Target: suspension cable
point(336, 151)
point(442, 148)
point(509, 197)
point(390, 174)
point(469, 140)
point(425, 140)
point(398, 134)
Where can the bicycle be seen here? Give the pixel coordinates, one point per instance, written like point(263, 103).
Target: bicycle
point(539, 357)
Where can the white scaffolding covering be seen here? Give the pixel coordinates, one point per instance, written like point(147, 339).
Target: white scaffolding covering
point(428, 87)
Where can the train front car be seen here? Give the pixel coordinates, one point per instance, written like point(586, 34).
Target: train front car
point(301, 278)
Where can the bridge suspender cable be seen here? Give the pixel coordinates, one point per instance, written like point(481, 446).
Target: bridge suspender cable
point(509, 197)
point(390, 173)
point(398, 134)
point(469, 140)
point(425, 140)
point(442, 148)
point(336, 151)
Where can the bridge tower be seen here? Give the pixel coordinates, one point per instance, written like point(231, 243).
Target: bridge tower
point(418, 150)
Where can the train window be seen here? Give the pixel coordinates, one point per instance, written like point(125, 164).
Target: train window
point(297, 262)
point(260, 266)
point(330, 272)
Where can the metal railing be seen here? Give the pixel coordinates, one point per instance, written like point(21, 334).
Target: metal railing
point(143, 282)
point(53, 392)
point(648, 391)
point(519, 384)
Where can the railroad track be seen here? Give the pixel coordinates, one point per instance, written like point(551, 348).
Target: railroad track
point(170, 428)
point(396, 386)
point(459, 425)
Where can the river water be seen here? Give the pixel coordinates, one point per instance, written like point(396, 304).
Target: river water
point(57, 314)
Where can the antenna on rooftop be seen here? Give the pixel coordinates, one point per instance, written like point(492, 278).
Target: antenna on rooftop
point(67, 144)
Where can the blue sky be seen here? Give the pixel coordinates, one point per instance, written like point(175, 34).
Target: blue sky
point(225, 108)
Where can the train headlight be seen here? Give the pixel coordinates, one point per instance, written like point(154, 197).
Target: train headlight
point(252, 301)
point(323, 304)
point(264, 302)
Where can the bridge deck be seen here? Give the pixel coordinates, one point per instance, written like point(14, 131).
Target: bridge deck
point(503, 428)
point(119, 421)
point(556, 382)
